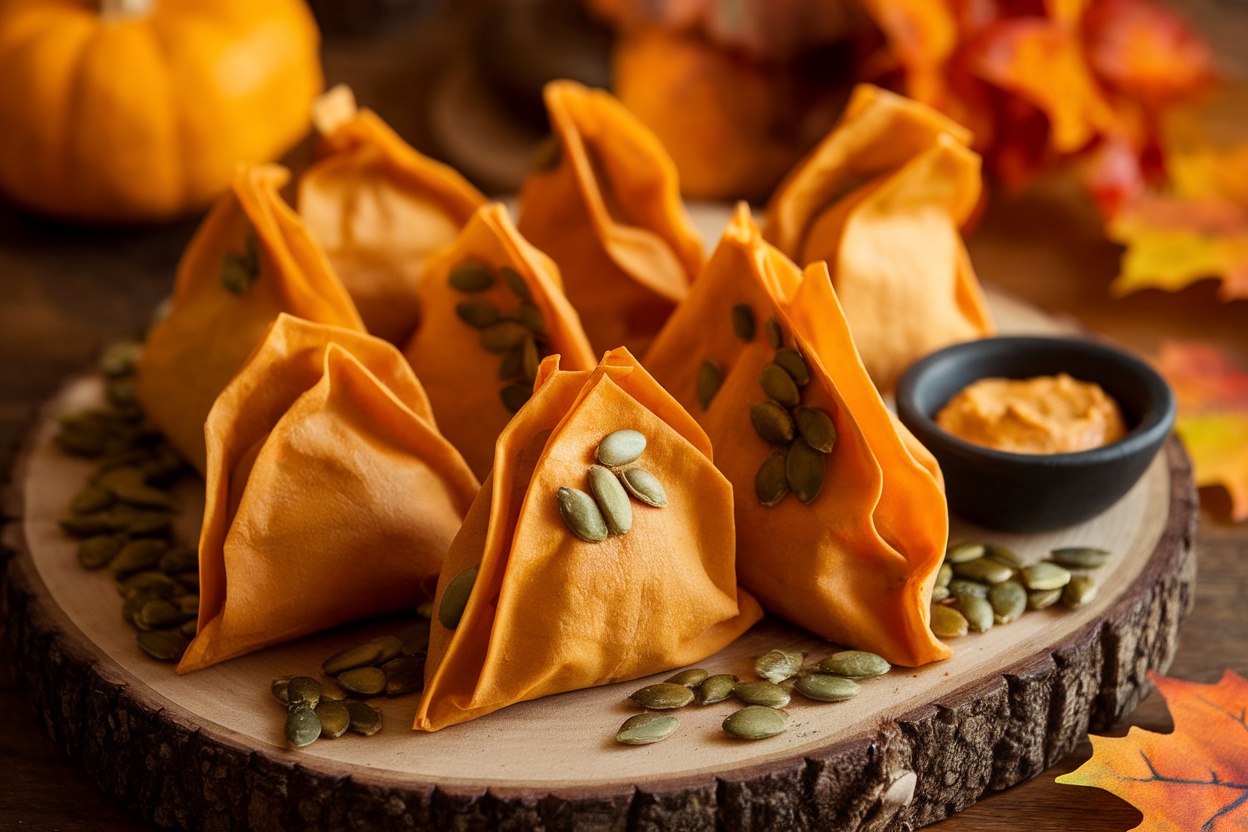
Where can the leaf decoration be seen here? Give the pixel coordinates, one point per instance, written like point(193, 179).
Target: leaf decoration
point(1194, 778)
point(1213, 416)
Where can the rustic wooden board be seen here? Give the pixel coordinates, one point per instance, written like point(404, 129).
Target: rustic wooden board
point(206, 751)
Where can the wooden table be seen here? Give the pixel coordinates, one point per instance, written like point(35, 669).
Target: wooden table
point(64, 292)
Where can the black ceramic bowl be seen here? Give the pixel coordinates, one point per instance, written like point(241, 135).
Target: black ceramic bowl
point(1032, 492)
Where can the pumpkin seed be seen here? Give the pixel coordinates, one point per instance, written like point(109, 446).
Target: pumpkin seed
point(803, 469)
point(189, 580)
point(278, 688)
point(778, 665)
point(502, 336)
point(644, 486)
point(135, 602)
point(662, 696)
point(391, 647)
point(158, 584)
point(855, 664)
point(119, 359)
point(761, 692)
point(940, 593)
point(1045, 576)
point(516, 396)
point(779, 385)
point(330, 692)
point(236, 277)
point(775, 336)
point(827, 688)
point(530, 360)
point(88, 525)
point(710, 378)
point(365, 719)
point(130, 486)
point(515, 282)
point(303, 690)
point(771, 482)
point(96, 552)
point(120, 392)
point(944, 575)
point(455, 598)
point(964, 551)
point(478, 313)
point(816, 428)
point(529, 315)
point(511, 365)
point(773, 423)
point(716, 688)
point(137, 556)
point(690, 678)
point(962, 586)
point(620, 448)
point(366, 681)
point(471, 277)
point(334, 718)
point(1079, 557)
point(414, 640)
point(150, 524)
point(404, 675)
point(643, 729)
point(794, 365)
point(163, 645)
point(1008, 600)
point(1003, 554)
point(177, 560)
point(1041, 599)
point(756, 723)
point(303, 726)
point(1080, 591)
point(159, 615)
point(581, 514)
point(190, 628)
point(82, 443)
point(92, 498)
point(946, 622)
point(743, 322)
point(361, 655)
point(425, 609)
point(188, 604)
point(984, 570)
point(977, 612)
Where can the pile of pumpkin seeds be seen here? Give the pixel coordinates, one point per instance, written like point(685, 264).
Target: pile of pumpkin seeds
point(518, 337)
point(392, 665)
point(981, 585)
point(762, 715)
point(611, 482)
point(123, 517)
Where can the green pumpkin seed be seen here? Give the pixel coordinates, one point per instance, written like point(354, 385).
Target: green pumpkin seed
point(612, 499)
point(502, 336)
point(855, 664)
point(710, 378)
point(333, 717)
point(361, 655)
point(816, 428)
point(530, 360)
point(962, 586)
point(1080, 591)
point(455, 598)
point(425, 609)
point(137, 556)
point(97, 552)
point(92, 498)
point(365, 719)
point(983, 570)
point(947, 622)
point(771, 483)
point(1079, 557)
point(794, 365)
point(762, 692)
point(644, 486)
point(944, 575)
point(516, 396)
point(716, 688)
point(303, 726)
point(779, 385)
point(236, 277)
point(404, 675)
point(804, 469)
point(964, 551)
point(471, 277)
point(477, 313)
point(1045, 576)
point(303, 690)
point(756, 723)
point(330, 692)
point(690, 678)
point(581, 514)
point(188, 604)
point(1041, 599)
point(162, 645)
point(775, 337)
point(278, 688)
point(511, 365)
point(159, 615)
point(1003, 554)
point(189, 580)
point(662, 696)
point(365, 681)
point(827, 688)
point(773, 423)
point(177, 560)
point(643, 729)
point(743, 322)
point(1008, 600)
point(940, 593)
point(620, 448)
point(515, 282)
point(414, 640)
point(190, 628)
point(977, 612)
point(157, 584)
point(150, 524)
point(778, 665)
point(529, 315)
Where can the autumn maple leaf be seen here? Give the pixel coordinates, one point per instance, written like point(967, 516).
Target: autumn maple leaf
point(1193, 778)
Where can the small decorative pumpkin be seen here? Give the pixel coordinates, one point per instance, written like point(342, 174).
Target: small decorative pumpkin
point(138, 110)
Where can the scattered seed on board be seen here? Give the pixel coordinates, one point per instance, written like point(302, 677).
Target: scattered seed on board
point(1079, 557)
point(964, 551)
point(977, 612)
point(777, 665)
point(365, 719)
point(761, 692)
point(663, 696)
point(303, 727)
point(756, 722)
point(690, 678)
point(1008, 600)
point(643, 729)
point(1041, 599)
point(303, 690)
point(855, 664)
point(716, 688)
point(368, 653)
point(1045, 575)
point(946, 622)
point(404, 675)
point(1080, 591)
point(334, 717)
point(984, 570)
point(825, 687)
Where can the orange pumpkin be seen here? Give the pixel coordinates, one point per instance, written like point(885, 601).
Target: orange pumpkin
point(138, 110)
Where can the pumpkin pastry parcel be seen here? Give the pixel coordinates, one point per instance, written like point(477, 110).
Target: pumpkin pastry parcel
point(494, 309)
point(251, 259)
point(881, 200)
point(330, 494)
point(379, 208)
point(605, 204)
point(840, 514)
point(595, 552)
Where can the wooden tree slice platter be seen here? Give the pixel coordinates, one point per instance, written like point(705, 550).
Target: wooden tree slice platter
point(207, 750)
